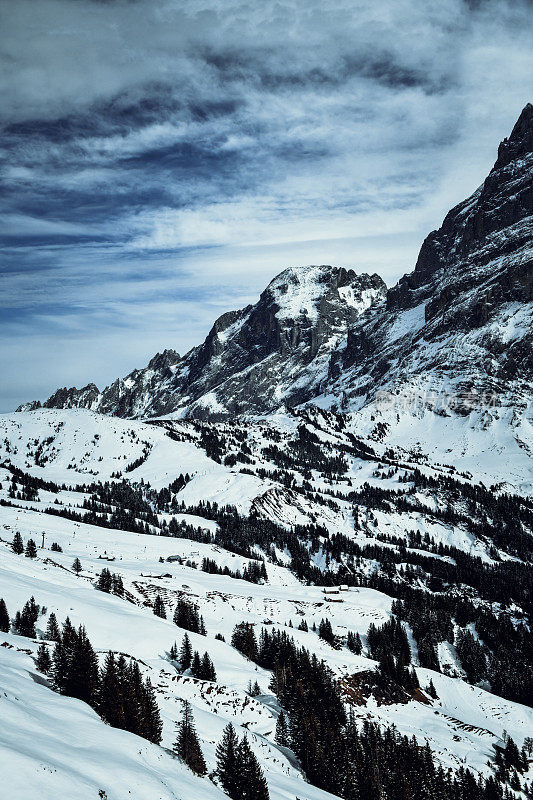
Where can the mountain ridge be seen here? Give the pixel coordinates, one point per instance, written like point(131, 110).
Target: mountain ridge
point(461, 320)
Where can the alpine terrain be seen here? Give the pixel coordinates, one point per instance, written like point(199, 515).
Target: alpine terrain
point(297, 561)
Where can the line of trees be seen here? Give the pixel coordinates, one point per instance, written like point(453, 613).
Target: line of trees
point(117, 691)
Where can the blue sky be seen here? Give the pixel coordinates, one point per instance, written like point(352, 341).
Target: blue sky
point(162, 161)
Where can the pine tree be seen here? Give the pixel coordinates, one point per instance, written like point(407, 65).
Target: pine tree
point(5, 622)
point(60, 666)
point(76, 566)
point(207, 668)
point(186, 616)
point(187, 744)
point(196, 665)
point(31, 549)
point(25, 620)
point(83, 677)
point(110, 698)
point(244, 640)
point(173, 653)
point(353, 643)
point(282, 732)
point(17, 545)
point(228, 766)
point(43, 662)
point(68, 635)
point(52, 633)
point(185, 657)
point(105, 581)
point(159, 608)
point(325, 631)
point(152, 725)
point(133, 691)
point(253, 785)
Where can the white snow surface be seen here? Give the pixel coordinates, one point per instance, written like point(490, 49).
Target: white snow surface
point(55, 746)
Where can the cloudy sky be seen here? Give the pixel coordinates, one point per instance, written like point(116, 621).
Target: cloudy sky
point(163, 160)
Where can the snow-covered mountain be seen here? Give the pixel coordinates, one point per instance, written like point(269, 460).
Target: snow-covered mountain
point(459, 323)
point(463, 319)
point(274, 353)
point(335, 434)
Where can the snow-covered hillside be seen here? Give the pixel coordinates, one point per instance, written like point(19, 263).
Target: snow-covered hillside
point(244, 467)
point(331, 498)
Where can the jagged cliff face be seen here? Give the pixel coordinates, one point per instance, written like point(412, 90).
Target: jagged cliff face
point(274, 353)
point(460, 322)
point(463, 317)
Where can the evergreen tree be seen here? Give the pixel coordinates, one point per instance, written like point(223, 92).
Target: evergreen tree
point(186, 616)
point(110, 699)
point(31, 549)
point(60, 666)
point(43, 662)
point(228, 766)
point(207, 668)
point(83, 676)
point(152, 724)
point(133, 692)
point(196, 665)
point(325, 631)
point(25, 620)
point(243, 640)
point(68, 635)
point(52, 633)
point(282, 732)
point(187, 744)
point(5, 623)
point(76, 566)
point(185, 657)
point(472, 655)
point(353, 643)
point(159, 608)
point(105, 581)
point(17, 545)
point(253, 785)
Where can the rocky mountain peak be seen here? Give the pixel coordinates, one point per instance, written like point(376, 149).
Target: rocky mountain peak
point(274, 353)
point(463, 313)
point(520, 142)
point(492, 222)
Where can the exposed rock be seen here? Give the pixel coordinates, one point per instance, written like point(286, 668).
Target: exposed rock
point(252, 361)
point(462, 319)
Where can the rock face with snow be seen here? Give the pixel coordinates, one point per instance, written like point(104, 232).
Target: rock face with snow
point(460, 322)
point(274, 353)
point(464, 314)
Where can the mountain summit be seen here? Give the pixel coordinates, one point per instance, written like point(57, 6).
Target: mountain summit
point(276, 352)
point(461, 321)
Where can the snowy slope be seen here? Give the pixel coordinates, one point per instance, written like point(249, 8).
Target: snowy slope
point(460, 727)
